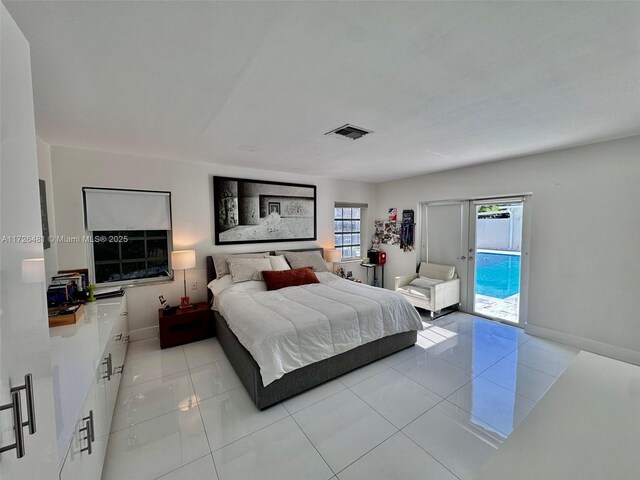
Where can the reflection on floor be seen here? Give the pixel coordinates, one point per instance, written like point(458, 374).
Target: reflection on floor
point(436, 410)
point(502, 308)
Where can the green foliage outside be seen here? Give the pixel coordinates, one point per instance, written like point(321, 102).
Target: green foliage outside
point(489, 208)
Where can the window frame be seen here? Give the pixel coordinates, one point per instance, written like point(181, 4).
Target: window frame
point(135, 281)
point(342, 233)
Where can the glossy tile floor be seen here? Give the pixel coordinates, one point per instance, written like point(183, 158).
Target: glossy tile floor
point(437, 410)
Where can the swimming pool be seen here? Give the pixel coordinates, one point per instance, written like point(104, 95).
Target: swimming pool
point(497, 274)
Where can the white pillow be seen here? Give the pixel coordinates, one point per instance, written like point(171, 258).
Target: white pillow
point(219, 285)
point(425, 282)
point(245, 269)
point(279, 263)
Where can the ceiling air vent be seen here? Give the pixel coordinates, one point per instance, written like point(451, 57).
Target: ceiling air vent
point(349, 131)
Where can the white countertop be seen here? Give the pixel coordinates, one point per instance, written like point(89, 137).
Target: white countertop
point(587, 426)
point(76, 352)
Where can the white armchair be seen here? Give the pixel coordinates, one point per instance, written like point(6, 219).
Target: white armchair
point(433, 288)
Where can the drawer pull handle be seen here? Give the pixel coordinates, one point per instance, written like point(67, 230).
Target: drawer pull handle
point(118, 370)
point(91, 436)
point(16, 405)
point(18, 424)
point(108, 361)
point(118, 337)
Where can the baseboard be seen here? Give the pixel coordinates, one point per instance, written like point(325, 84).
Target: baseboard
point(144, 333)
point(593, 346)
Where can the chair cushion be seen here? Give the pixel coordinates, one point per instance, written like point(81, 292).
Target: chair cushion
point(435, 271)
point(416, 292)
point(425, 282)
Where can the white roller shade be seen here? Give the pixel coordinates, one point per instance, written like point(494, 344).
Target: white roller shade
point(127, 210)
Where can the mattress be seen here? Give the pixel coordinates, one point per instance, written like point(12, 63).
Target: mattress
point(293, 327)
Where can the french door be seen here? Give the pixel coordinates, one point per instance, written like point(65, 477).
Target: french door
point(487, 241)
point(446, 239)
point(495, 258)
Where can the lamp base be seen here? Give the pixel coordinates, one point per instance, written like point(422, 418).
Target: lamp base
point(185, 302)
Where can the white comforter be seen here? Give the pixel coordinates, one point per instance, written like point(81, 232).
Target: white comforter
point(292, 327)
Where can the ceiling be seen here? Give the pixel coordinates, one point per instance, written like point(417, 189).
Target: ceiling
point(441, 84)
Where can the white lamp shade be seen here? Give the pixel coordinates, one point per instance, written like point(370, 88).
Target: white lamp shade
point(183, 259)
point(33, 270)
point(332, 255)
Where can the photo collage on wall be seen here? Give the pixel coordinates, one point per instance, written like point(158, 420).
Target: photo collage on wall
point(393, 232)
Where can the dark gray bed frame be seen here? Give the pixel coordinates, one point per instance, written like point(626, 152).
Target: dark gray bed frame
point(308, 376)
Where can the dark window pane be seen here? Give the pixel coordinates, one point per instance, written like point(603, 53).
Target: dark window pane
point(156, 233)
point(132, 234)
point(109, 272)
point(133, 249)
point(337, 212)
point(156, 249)
point(105, 250)
point(132, 270)
point(158, 268)
point(338, 240)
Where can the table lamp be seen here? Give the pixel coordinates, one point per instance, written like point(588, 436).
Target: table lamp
point(182, 260)
point(332, 256)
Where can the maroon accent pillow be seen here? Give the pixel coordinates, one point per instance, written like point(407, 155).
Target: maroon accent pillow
point(289, 278)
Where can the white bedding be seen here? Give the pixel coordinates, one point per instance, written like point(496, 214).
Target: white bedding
point(292, 327)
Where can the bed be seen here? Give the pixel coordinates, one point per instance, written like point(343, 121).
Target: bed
point(393, 327)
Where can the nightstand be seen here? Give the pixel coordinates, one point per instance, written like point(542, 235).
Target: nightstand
point(185, 325)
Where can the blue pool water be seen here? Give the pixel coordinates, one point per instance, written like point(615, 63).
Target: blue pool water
point(497, 275)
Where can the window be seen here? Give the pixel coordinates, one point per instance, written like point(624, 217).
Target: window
point(130, 255)
point(348, 229)
point(130, 232)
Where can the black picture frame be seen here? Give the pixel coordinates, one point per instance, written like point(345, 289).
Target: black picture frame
point(273, 207)
point(242, 211)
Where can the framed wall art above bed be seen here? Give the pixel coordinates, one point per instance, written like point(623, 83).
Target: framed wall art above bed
point(254, 211)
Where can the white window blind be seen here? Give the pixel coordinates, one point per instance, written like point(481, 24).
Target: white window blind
point(126, 210)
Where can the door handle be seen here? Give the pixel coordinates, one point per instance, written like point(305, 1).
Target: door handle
point(18, 424)
point(462, 258)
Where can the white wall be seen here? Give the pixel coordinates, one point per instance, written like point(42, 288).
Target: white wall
point(192, 209)
point(584, 267)
point(44, 173)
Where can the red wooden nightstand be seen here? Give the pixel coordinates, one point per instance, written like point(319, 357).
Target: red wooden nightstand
point(185, 325)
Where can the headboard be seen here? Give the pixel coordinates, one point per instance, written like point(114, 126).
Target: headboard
point(211, 270)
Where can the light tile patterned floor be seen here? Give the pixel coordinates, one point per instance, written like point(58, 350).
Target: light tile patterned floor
point(437, 410)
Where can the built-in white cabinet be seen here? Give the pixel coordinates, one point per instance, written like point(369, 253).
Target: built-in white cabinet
point(27, 404)
point(88, 360)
